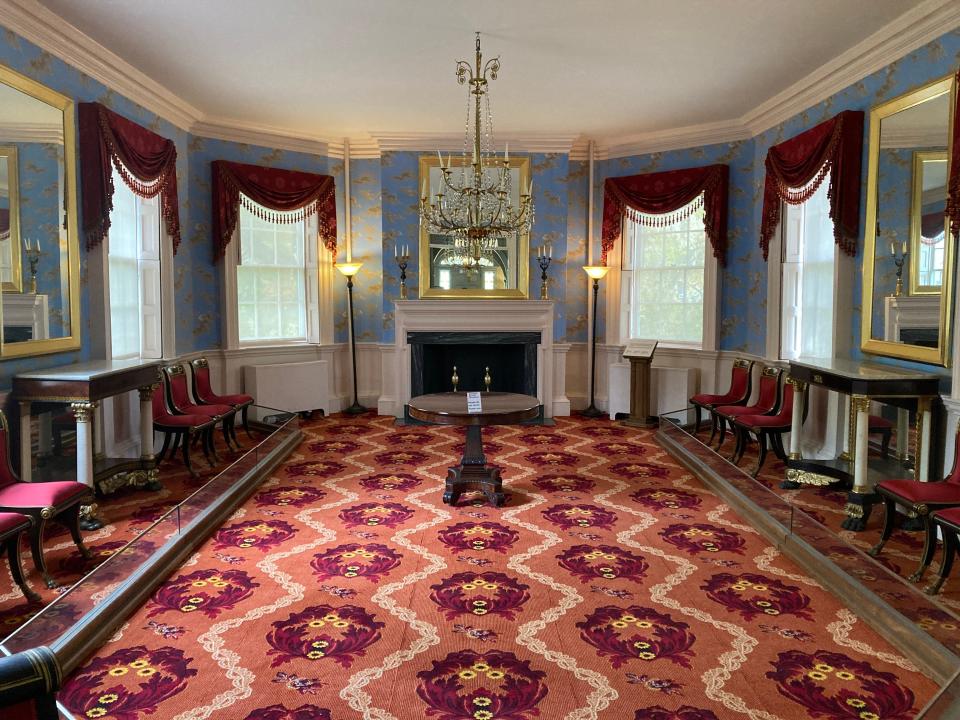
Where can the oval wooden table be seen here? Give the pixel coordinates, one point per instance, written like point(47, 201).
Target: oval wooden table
point(497, 408)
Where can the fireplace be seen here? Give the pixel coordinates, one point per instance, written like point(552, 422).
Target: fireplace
point(510, 356)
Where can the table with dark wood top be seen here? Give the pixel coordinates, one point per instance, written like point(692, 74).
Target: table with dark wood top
point(497, 408)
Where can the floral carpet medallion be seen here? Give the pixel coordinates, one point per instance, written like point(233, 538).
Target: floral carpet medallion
point(209, 592)
point(605, 562)
point(479, 594)
point(371, 562)
point(324, 631)
point(469, 685)
point(610, 586)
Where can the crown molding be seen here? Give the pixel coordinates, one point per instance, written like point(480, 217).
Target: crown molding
point(31, 132)
point(914, 29)
point(254, 134)
point(45, 29)
point(917, 137)
point(676, 139)
point(452, 142)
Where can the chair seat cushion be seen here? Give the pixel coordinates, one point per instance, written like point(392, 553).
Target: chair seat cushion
point(923, 492)
point(706, 399)
point(734, 410)
point(208, 410)
point(877, 423)
point(951, 516)
point(11, 523)
point(42, 494)
point(763, 421)
point(239, 399)
point(181, 420)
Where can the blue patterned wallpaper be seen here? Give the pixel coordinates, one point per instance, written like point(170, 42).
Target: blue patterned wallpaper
point(368, 248)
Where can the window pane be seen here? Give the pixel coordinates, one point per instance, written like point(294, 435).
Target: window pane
point(271, 293)
point(668, 281)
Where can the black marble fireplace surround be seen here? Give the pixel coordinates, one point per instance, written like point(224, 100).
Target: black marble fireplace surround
point(511, 357)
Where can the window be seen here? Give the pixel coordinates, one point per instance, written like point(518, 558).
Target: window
point(807, 281)
point(134, 275)
point(662, 281)
point(271, 280)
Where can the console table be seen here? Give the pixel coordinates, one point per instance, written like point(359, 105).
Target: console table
point(83, 386)
point(862, 382)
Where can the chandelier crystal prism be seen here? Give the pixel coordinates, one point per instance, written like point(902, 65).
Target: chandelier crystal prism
point(475, 200)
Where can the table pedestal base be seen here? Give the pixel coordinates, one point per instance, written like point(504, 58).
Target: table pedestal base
point(473, 473)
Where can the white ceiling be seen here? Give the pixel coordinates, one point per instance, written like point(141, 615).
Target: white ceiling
point(604, 69)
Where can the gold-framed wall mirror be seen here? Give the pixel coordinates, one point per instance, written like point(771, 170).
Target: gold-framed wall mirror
point(450, 269)
point(39, 242)
point(908, 260)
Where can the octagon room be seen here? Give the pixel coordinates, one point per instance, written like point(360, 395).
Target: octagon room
point(431, 361)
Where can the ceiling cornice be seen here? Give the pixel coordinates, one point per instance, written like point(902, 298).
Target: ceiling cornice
point(31, 132)
point(49, 31)
point(913, 29)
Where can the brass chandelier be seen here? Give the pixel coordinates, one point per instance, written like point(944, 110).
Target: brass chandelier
point(474, 202)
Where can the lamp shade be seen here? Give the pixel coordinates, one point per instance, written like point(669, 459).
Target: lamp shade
point(348, 268)
point(596, 271)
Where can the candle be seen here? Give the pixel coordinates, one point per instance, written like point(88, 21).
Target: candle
point(440, 157)
point(550, 249)
point(506, 152)
point(893, 248)
point(903, 247)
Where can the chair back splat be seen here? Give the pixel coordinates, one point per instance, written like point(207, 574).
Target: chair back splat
point(769, 390)
point(177, 394)
point(202, 389)
point(740, 381)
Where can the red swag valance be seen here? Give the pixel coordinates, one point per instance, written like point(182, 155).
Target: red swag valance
point(953, 184)
point(288, 195)
point(663, 198)
point(146, 162)
point(796, 167)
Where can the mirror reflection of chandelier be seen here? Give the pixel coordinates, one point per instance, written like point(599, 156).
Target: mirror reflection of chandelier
point(474, 202)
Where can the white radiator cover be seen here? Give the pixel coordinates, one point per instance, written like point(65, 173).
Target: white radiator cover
point(291, 387)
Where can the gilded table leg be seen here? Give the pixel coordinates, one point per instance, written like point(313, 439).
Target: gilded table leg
point(861, 498)
point(83, 411)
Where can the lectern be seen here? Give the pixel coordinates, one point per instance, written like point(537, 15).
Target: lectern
point(640, 355)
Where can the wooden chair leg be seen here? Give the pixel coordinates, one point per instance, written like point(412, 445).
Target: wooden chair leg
point(713, 427)
point(741, 444)
point(887, 531)
point(761, 452)
point(696, 419)
point(211, 443)
point(929, 546)
point(16, 569)
point(36, 549)
point(776, 440)
point(949, 553)
point(233, 433)
point(225, 429)
point(246, 424)
point(71, 518)
point(184, 440)
point(166, 446)
point(722, 426)
point(885, 442)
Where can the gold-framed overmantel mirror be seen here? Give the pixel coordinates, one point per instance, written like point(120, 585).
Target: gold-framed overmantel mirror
point(501, 269)
point(908, 260)
point(40, 260)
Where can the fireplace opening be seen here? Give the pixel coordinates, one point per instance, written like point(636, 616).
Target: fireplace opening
point(511, 357)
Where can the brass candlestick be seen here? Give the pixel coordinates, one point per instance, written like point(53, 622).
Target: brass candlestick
point(544, 258)
point(455, 379)
point(486, 378)
point(402, 256)
point(899, 262)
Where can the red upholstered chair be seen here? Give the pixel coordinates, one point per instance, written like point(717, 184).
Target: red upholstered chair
point(204, 393)
point(42, 501)
point(764, 427)
point(766, 403)
point(949, 523)
point(738, 394)
point(921, 498)
point(183, 429)
point(179, 400)
point(12, 526)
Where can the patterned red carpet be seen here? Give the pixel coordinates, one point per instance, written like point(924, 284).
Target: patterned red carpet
point(612, 585)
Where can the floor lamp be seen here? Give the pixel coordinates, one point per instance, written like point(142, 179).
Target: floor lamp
point(349, 269)
point(595, 272)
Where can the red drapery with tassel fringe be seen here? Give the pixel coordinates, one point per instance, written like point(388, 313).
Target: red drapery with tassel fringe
point(796, 167)
point(146, 161)
point(664, 198)
point(282, 196)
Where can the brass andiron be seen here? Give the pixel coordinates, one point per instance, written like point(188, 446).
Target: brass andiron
point(455, 379)
point(402, 256)
point(544, 258)
point(899, 262)
point(486, 378)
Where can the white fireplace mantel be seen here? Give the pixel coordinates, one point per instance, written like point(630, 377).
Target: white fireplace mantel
point(470, 316)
